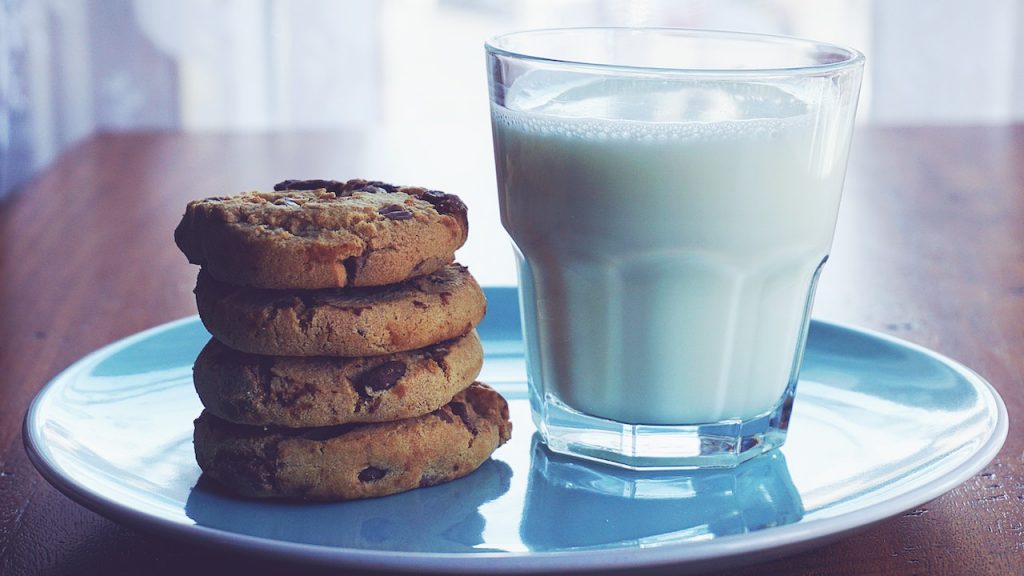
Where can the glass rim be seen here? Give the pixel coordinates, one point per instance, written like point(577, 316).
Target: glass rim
point(852, 57)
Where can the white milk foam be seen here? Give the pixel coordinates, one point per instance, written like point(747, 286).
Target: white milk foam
point(665, 265)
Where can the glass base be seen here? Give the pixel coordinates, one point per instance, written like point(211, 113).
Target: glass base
point(653, 447)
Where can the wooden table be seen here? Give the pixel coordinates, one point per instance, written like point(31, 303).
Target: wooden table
point(930, 248)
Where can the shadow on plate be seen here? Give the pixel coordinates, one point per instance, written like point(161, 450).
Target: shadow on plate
point(442, 518)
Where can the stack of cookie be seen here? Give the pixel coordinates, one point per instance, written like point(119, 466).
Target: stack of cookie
point(344, 354)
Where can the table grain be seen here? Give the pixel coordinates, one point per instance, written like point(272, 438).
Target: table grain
point(930, 248)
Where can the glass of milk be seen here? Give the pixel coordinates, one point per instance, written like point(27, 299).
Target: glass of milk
point(672, 197)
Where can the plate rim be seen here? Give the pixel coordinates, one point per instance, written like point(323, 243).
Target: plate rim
point(766, 543)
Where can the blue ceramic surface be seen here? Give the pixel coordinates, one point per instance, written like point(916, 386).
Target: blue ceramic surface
point(879, 426)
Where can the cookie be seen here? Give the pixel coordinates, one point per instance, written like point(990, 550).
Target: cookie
point(342, 321)
point(324, 391)
point(355, 460)
point(323, 234)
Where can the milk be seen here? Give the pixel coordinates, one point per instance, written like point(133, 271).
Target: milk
point(667, 256)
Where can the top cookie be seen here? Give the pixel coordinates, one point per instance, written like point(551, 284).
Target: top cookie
point(323, 234)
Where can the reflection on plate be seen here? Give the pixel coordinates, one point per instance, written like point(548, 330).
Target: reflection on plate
point(615, 507)
point(879, 426)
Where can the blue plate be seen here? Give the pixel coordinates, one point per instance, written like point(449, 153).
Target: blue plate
point(879, 426)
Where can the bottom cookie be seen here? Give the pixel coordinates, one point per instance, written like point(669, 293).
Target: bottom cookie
point(357, 460)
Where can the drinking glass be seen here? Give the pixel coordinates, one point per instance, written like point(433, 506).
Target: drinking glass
point(672, 197)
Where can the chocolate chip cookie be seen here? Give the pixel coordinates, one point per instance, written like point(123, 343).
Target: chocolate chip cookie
point(323, 234)
point(325, 391)
point(355, 460)
point(342, 321)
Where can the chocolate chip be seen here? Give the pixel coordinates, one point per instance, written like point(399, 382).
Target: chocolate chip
point(247, 470)
point(356, 184)
point(367, 405)
point(445, 203)
point(443, 415)
point(383, 377)
point(459, 409)
point(353, 264)
point(304, 306)
point(437, 353)
point(329, 185)
point(372, 474)
point(387, 187)
point(395, 212)
point(349, 308)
